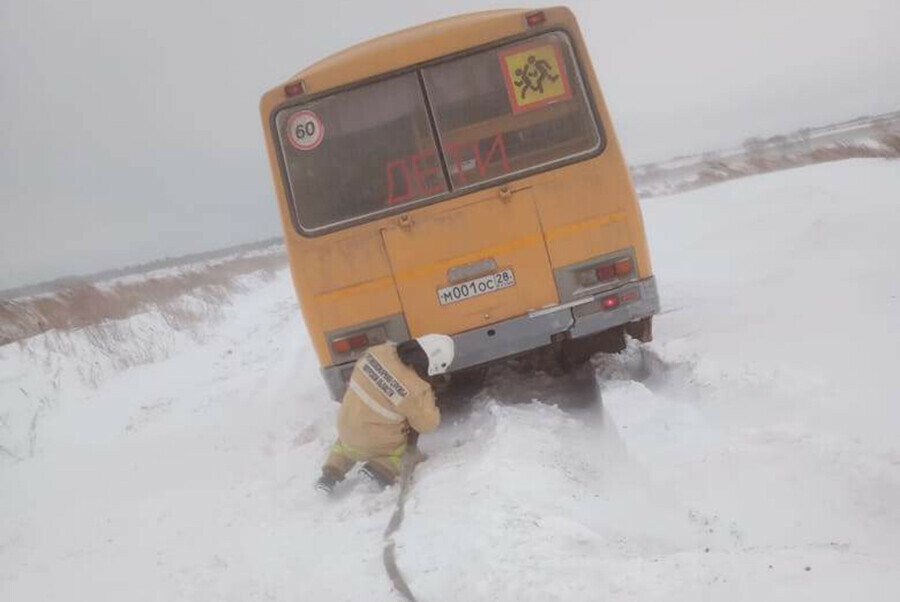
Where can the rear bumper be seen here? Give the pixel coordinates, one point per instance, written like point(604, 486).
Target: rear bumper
point(590, 318)
point(524, 333)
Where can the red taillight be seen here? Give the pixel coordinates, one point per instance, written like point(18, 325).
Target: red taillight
point(535, 19)
point(610, 302)
point(623, 267)
point(606, 272)
point(350, 343)
point(294, 89)
point(360, 340)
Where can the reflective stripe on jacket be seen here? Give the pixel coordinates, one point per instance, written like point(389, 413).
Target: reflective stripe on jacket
point(383, 396)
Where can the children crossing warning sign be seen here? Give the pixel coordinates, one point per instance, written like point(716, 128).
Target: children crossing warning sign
point(535, 76)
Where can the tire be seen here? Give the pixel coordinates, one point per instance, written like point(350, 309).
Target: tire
point(469, 380)
point(461, 387)
point(641, 330)
point(575, 352)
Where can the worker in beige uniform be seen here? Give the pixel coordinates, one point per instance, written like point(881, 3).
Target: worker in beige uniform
point(389, 401)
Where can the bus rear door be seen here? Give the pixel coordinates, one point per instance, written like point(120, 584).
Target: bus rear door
point(470, 266)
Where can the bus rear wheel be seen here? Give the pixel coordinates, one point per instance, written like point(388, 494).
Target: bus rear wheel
point(641, 330)
point(575, 352)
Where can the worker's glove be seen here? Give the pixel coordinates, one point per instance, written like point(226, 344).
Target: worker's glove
point(413, 453)
point(412, 438)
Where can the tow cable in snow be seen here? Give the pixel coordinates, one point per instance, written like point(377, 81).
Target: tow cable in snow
point(390, 560)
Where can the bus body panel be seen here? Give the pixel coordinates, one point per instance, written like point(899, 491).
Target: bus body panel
point(361, 258)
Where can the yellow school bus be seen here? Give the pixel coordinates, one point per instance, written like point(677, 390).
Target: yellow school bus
point(460, 177)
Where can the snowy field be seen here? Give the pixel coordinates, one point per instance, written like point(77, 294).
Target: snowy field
point(750, 452)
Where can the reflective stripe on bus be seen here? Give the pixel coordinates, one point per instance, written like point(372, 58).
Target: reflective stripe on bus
point(552, 234)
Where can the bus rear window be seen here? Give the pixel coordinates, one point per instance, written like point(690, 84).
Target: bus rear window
point(359, 152)
point(510, 109)
point(363, 152)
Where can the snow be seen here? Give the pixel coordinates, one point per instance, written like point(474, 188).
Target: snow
point(748, 453)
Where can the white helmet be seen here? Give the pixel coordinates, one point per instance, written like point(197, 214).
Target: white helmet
point(439, 349)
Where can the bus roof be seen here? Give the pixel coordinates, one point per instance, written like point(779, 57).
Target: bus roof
point(418, 44)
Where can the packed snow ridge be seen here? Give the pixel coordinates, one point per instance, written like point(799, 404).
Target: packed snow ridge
point(749, 453)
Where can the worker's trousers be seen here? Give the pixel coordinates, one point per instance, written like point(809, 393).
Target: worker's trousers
point(342, 458)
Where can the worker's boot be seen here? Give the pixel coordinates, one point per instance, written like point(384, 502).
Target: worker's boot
point(329, 479)
point(377, 475)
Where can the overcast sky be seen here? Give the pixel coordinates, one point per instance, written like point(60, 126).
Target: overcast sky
point(130, 130)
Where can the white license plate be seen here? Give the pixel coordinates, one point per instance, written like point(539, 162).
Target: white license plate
point(476, 287)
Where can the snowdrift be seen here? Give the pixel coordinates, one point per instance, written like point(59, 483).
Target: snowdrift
point(62, 345)
point(749, 453)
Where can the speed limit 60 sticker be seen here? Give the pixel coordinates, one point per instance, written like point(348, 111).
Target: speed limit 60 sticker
point(305, 130)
